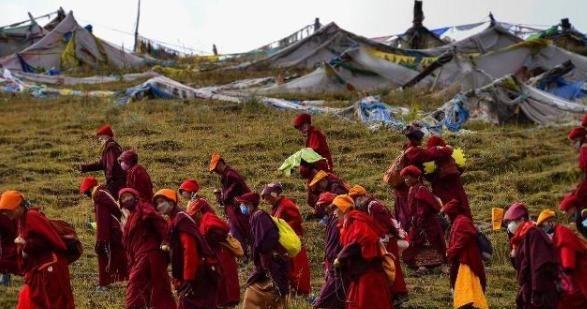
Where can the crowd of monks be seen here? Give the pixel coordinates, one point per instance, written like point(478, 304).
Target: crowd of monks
point(140, 232)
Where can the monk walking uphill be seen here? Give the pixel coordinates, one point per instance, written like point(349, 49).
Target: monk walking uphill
point(111, 151)
point(144, 233)
point(136, 175)
point(112, 264)
point(194, 266)
point(314, 139)
point(43, 255)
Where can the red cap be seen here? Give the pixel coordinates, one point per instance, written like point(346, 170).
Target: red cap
point(568, 202)
point(189, 185)
point(128, 190)
point(411, 170)
point(516, 211)
point(105, 130)
point(584, 121)
point(250, 197)
point(129, 156)
point(434, 141)
point(87, 184)
point(577, 132)
point(302, 119)
point(325, 199)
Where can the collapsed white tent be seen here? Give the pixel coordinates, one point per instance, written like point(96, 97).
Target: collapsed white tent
point(81, 48)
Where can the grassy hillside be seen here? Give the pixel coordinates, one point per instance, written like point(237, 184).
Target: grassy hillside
point(43, 139)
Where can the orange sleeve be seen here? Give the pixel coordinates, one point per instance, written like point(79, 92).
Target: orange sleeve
point(191, 258)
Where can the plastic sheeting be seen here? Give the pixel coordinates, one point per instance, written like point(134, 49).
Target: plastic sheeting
point(67, 80)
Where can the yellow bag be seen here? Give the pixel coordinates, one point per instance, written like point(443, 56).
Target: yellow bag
point(288, 238)
point(496, 218)
point(388, 263)
point(233, 245)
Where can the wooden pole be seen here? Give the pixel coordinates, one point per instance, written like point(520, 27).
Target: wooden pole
point(137, 27)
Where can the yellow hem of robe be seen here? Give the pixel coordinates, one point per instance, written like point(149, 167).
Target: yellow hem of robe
point(468, 289)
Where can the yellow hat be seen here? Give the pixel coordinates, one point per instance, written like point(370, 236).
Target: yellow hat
point(319, 176)
point(10, 200)
point(357, 190)
point(545, 215)
point(214, 161)
point(343, 202)
point(166, 193)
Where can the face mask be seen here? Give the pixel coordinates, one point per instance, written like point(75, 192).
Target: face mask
point(577, 145)
point(163, 207)
point(244, 209)
point(88, 193)
point(513, 227)
point(548, 229)
point(124, 166)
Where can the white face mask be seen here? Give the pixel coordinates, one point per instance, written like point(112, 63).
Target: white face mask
point(164, 207)
point(577, 145)
point(513, 227)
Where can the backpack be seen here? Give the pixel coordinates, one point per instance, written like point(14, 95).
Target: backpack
point(288, 238)
point(392, 176)
point(388, 264)
point(485, 245)
point(69, 237)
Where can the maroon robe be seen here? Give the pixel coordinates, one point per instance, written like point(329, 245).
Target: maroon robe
point(581, 190)
point(299, 274)
point(536, 266)
point(268, 255)
point(317, 141)
point(215, 230)
point(234, 185)
point(571, 254)
point(332, 294)
point(462, 244)
point(194, 266)
point(148, 283)
point(8, 256)
point(138, 179)
point(425, 231)
point(361, 261)
point(115, 176)
point(112, 264)
point(335, 185)
point(46, 272)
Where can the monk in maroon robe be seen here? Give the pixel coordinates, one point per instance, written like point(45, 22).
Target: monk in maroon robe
point(233, 185)
point(315, 139)
point(286, 209)
point(269, 257)
point(332, 294)
point(462, 244)
point(144, 233)
point(194, 266)
point(8, 257)
point(111, 150)
point(324, 182)
point(572, 207)
point(385, 222)
point(216, 231)
point(533, 258)
point(136, 175)
point(425, 230)
point(40, 256)
point(112, 264)
point(446, 179)
point(571, 253)
point(360, 258)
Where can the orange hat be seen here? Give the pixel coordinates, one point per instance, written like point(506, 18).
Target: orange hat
point(167, 194)
point(105, 130)
point(190, 185)
point(302, 119)
point(545, 215)
point(356, 191)
point(10, 200)
point(576, 133)
point(568, 202)
point(343, 202)
point(411, 170)
point(214, 161)
point(319, 176)
point(87, 184)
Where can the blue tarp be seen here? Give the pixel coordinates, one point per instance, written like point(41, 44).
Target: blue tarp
point(570, 90)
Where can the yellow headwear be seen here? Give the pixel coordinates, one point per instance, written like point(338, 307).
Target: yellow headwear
point(319, 176)
point(545, 215)
point(357, 190)
point(343, 202)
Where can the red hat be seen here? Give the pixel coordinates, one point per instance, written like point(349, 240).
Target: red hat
point(325, 199)
point(250, 197)
point(584, 121)
point(274, 187)
point(129, 156)
point(434, 141)
point(302, 119)
point(128, 190)
point(189, 185)
point(411, 170)
point(87, 184)
point(568, 202)
point(577, 132)
point(105, 130)
point(516, 211)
